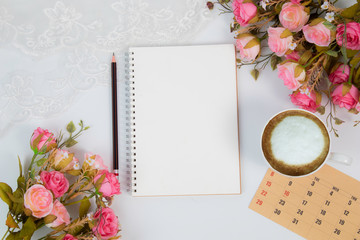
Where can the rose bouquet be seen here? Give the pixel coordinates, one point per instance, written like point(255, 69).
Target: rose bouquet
point(314, 45)
point(54, 180)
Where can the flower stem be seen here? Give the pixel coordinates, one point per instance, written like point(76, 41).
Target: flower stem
point(5, 234)
point(84, 199)
point(32, 162)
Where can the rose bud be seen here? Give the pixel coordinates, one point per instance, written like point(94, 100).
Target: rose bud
point(292, 74)
point(346, 96)
point(38, 200)
point(42, 141)
point(244, 11)
point(106, 225)
point(55, 181)
point(110, 186)
point(61, 214)
point(248, 47)
point(306, 100)
point(352, 35)
point(316, 32)
point(279, 40)
point(340, 74)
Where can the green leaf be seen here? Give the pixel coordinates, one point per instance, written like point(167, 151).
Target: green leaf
point(20, 167)
point(10, 222)
point(351, 11)
point(332, 53)
point(321, 110)
point(21, 183)
point(41, 162)
point(338, 121)
point(4, 190)
point(286, 33)
point(49, 219)
point(60, 236)
point(99, 181)
point(13, 236)
point(71, 127)
point(70, 142)
point(330, 26)
point(298, 70)
point(253, 42)
point(305, 57)
point(84, 207)
point(316, 21)
point(28, 228)
point(274, 61)
point(255, 74)
point(18, 206)
point(86, 128)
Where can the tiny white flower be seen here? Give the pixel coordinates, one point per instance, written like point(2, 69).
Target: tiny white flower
point(325, 5)
point(292, 46)
point(65, 154)
point(90, 161)
point(77, 166)
point(89, 216)
point(305, 91)
point(329, 16)
point(263, 4)
point(38, 179)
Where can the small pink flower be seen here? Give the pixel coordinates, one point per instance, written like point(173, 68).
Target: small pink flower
point(69, 237)
point(62, 215)
point(347, 98)
point(288, 73)
point(42, 141)
point(340, 74)
point(293, 16)
point(247, 54)
point(318, 34)
point(244, 12)
point(357, 107)
point(296, 1)
point(305, 101)
point(293, 56)
point(55, 181)
point(107, 224)
point(110, 186)
point(352, 35)
point(39, 200)
point(277, 44)
point(95, 161)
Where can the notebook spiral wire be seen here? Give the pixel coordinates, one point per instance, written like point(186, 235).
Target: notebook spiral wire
point(131, 117)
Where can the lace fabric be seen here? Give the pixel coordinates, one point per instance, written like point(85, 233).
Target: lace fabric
point(73, 41)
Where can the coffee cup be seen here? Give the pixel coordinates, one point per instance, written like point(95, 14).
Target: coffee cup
point(296, 142)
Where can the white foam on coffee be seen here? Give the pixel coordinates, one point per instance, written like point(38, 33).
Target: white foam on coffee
point(297, 140)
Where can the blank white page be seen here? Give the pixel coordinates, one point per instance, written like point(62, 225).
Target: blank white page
point(186, 121)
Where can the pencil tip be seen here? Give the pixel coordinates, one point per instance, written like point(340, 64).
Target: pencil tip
point(113, 54)
point(113, 58)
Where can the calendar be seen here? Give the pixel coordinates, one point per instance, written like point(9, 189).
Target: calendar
point(324, 205)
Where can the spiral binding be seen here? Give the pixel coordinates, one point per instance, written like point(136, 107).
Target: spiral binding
point(131, 117)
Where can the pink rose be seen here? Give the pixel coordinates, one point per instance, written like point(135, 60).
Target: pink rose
point(42, 141)
point(357, 107)
point(95, 161)
point(352, 35)
point(69, 237)
point(61, 160)
point(293, 16)
point(107, 224)
point(294, 55)
point(346, 96)
point(55, 181)
point(110, 186)
point(277, 44)
point(247, 54)
point(62, 215)
point(306, 101)
point(39, 200)
point(296, 1)
point(340, 74)
point(244, 12)
point(291, 73)
point(318, 34)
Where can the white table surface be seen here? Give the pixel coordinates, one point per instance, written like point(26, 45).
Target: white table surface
point(175, 218)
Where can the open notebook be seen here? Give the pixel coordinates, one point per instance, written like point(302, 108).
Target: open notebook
point(184, 120)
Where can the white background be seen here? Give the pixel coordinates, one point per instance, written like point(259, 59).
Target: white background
point(176, 218)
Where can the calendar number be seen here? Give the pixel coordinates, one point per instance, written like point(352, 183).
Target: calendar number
point(287, 193)
point(300, 212)
point(341, 222)
point(282, 202)
point(268, 183)
point(318, 221)
point(337, 231)
point(323, 212)
point(290, 183)
point(272, 174)
point(346, 212)
point(295, 221)
point(309, 193)
point(304, 202)
point(263, 192)
point(259, 202)
point(358, 232)
point(327, 202)
point(277, 211)
point(349, 203)
point(313, 183)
